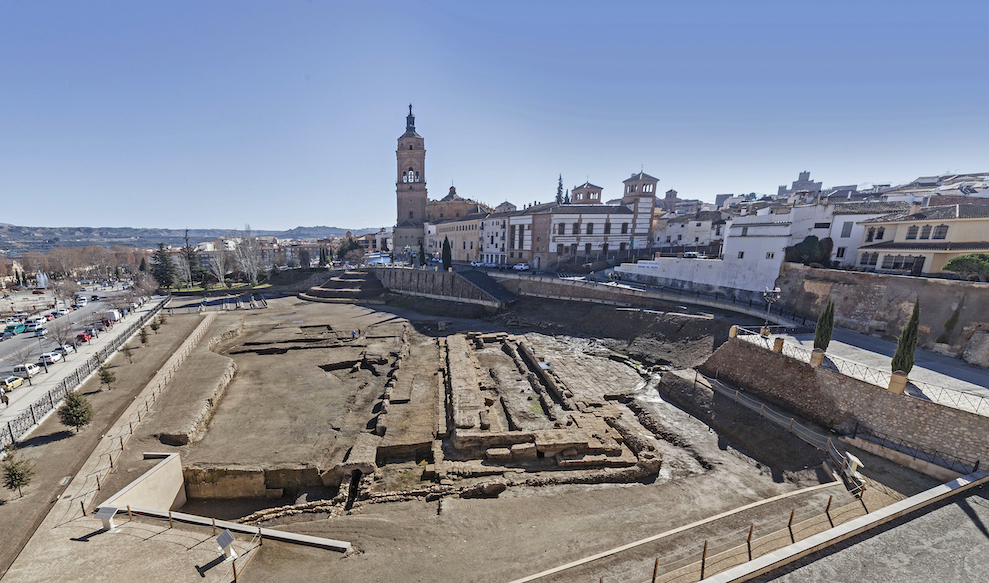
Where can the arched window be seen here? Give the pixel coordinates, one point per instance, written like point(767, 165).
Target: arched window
point(576, 228)
point(925, 232)
point(940, 232)
point(870, 234)
point(417, 176)
point(405, 176)
point(912, 232)
point(624, 228)
point(590, 228)
point(879, 233)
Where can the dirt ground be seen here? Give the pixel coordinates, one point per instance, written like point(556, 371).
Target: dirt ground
point(297, 401)
point(58, 453)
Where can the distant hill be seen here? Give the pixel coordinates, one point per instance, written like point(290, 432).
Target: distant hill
point(15, 239)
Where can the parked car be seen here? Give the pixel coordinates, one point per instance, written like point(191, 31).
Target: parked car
point(6, 334)
point(83, 336)
point(15, 328)
point(521, 267)
point(49, 357)
point(95, 298)
point(38, 292)
point(62, 312)
point(11, 383)
point(50, 316)
point(27, 370)
point(63, 349)
point(40, 331)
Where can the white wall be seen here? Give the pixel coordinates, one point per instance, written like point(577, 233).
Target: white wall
point(754, 275)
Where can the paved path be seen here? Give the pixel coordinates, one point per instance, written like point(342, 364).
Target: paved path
point(22, 397)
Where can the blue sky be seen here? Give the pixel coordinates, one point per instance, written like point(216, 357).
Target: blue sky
point(216, 114)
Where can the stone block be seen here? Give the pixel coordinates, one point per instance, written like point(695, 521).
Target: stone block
point(498, 454)
point(977, 349)
point(524, 452)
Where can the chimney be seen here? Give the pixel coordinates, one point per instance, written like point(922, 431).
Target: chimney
point(915, 207)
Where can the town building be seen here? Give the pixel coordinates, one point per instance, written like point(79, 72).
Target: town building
point(847, 231)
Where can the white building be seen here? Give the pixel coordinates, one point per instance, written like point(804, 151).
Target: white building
point(847, 233)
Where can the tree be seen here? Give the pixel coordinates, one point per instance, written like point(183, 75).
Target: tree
point(969, 265)
point(810, 250)
point(129, 353)
point(16, 473)
point(447, 253)
point(559, 190)
point(825, 326)
point(76, 411)
point(906, 344)
point(144, 335)
point(107, 377)
point(155, 325)
point(24, 356)
point(248, 255)
point(162, 268)
point(65, 289)
point(61, 332)
point(184, 270)
point(191, 255)
point(566, 198)
point(346, 247)
point(143, 267)
point(422, 254)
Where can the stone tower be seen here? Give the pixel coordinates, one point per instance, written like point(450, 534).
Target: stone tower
point(410, 182)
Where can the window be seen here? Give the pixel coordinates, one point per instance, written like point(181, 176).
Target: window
point(846, 229)
point(870, 234)
point(822, 225)
point(624, 228)
point(879, 233)
point(679, 237)
point(607, 228)
point(587, 249)
point(770, 255)
point(410, 214)
point(912, 232)
point(940, 232)
point(717, 231)
point(604, 248)
point(590, 228)
point(697, 225)
point(696, 239)
point(888, 262)
point(741, 254)
point(559, 248)
point(840, 253)
point(874, 259)
point(745, 231)
point(417, 176)
point(925, 233)
point(865, 259)
point(576, 229)
point(669, 238)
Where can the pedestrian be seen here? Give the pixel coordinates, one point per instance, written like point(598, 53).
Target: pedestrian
point(4, 398)
point(353, 334)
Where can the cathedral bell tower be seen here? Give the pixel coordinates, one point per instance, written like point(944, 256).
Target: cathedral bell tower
point(410, 182)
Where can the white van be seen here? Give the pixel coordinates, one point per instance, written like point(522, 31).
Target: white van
point(81, 301)
point(27, 370)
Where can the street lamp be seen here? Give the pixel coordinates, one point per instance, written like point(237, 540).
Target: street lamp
point(771, 296)
point(43, 361)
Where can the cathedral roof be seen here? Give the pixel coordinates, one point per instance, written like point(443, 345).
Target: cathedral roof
point(587, 185)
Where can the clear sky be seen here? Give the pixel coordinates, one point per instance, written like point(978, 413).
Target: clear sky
point(215, 114)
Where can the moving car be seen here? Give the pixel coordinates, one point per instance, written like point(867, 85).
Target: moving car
point(15, 328)
point(11, 383)
point(40, 331)
point(63, 349)
point(521, 267)
point(83, 336)
point(38, 292)
point(50, 357)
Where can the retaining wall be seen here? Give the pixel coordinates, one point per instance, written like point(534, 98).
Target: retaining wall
point(954, 315)
point(442, 285)
point(839, 402)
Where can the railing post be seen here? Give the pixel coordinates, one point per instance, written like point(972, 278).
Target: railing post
point(748, 541)
point(789, 525)
point(655, 570)
point(703, 559)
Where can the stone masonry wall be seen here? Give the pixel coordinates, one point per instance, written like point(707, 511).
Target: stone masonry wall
point(839, 402)
point(429, 283)
point(880, 305)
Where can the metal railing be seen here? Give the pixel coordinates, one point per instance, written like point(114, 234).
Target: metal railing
point(945, 460)
point(30, 417)
point(821, 441)
point(948, 397)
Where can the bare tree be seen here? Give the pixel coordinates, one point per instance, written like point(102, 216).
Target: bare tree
point(218, 262)
point(184, 269)
point(62, 261)
point(248, 254)
point(65, 289)
point(61, 332)
point(145, 285)
point(24, 356)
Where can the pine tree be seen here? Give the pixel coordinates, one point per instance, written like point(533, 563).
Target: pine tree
point(566, 199)
point(129, 353)
point(447, 254)
point(107, 377)
point(144, 335)
point(162, 268)
point(76, 411)
point(559, 190)
point(825, 326)
point(16, 473)
point(144, 265)
point(906, 345)
point(422, 254)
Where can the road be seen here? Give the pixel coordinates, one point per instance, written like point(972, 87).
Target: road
point(22, 397)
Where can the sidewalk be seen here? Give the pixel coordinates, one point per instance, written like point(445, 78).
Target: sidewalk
point(27, 394)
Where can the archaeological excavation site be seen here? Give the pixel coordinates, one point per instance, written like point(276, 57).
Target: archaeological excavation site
point(405, 439)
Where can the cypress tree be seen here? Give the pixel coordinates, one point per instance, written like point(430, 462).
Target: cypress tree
point(422, 254)
point(825, 326)
point(447, 254)
point(559, 190)
point(906, 345)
